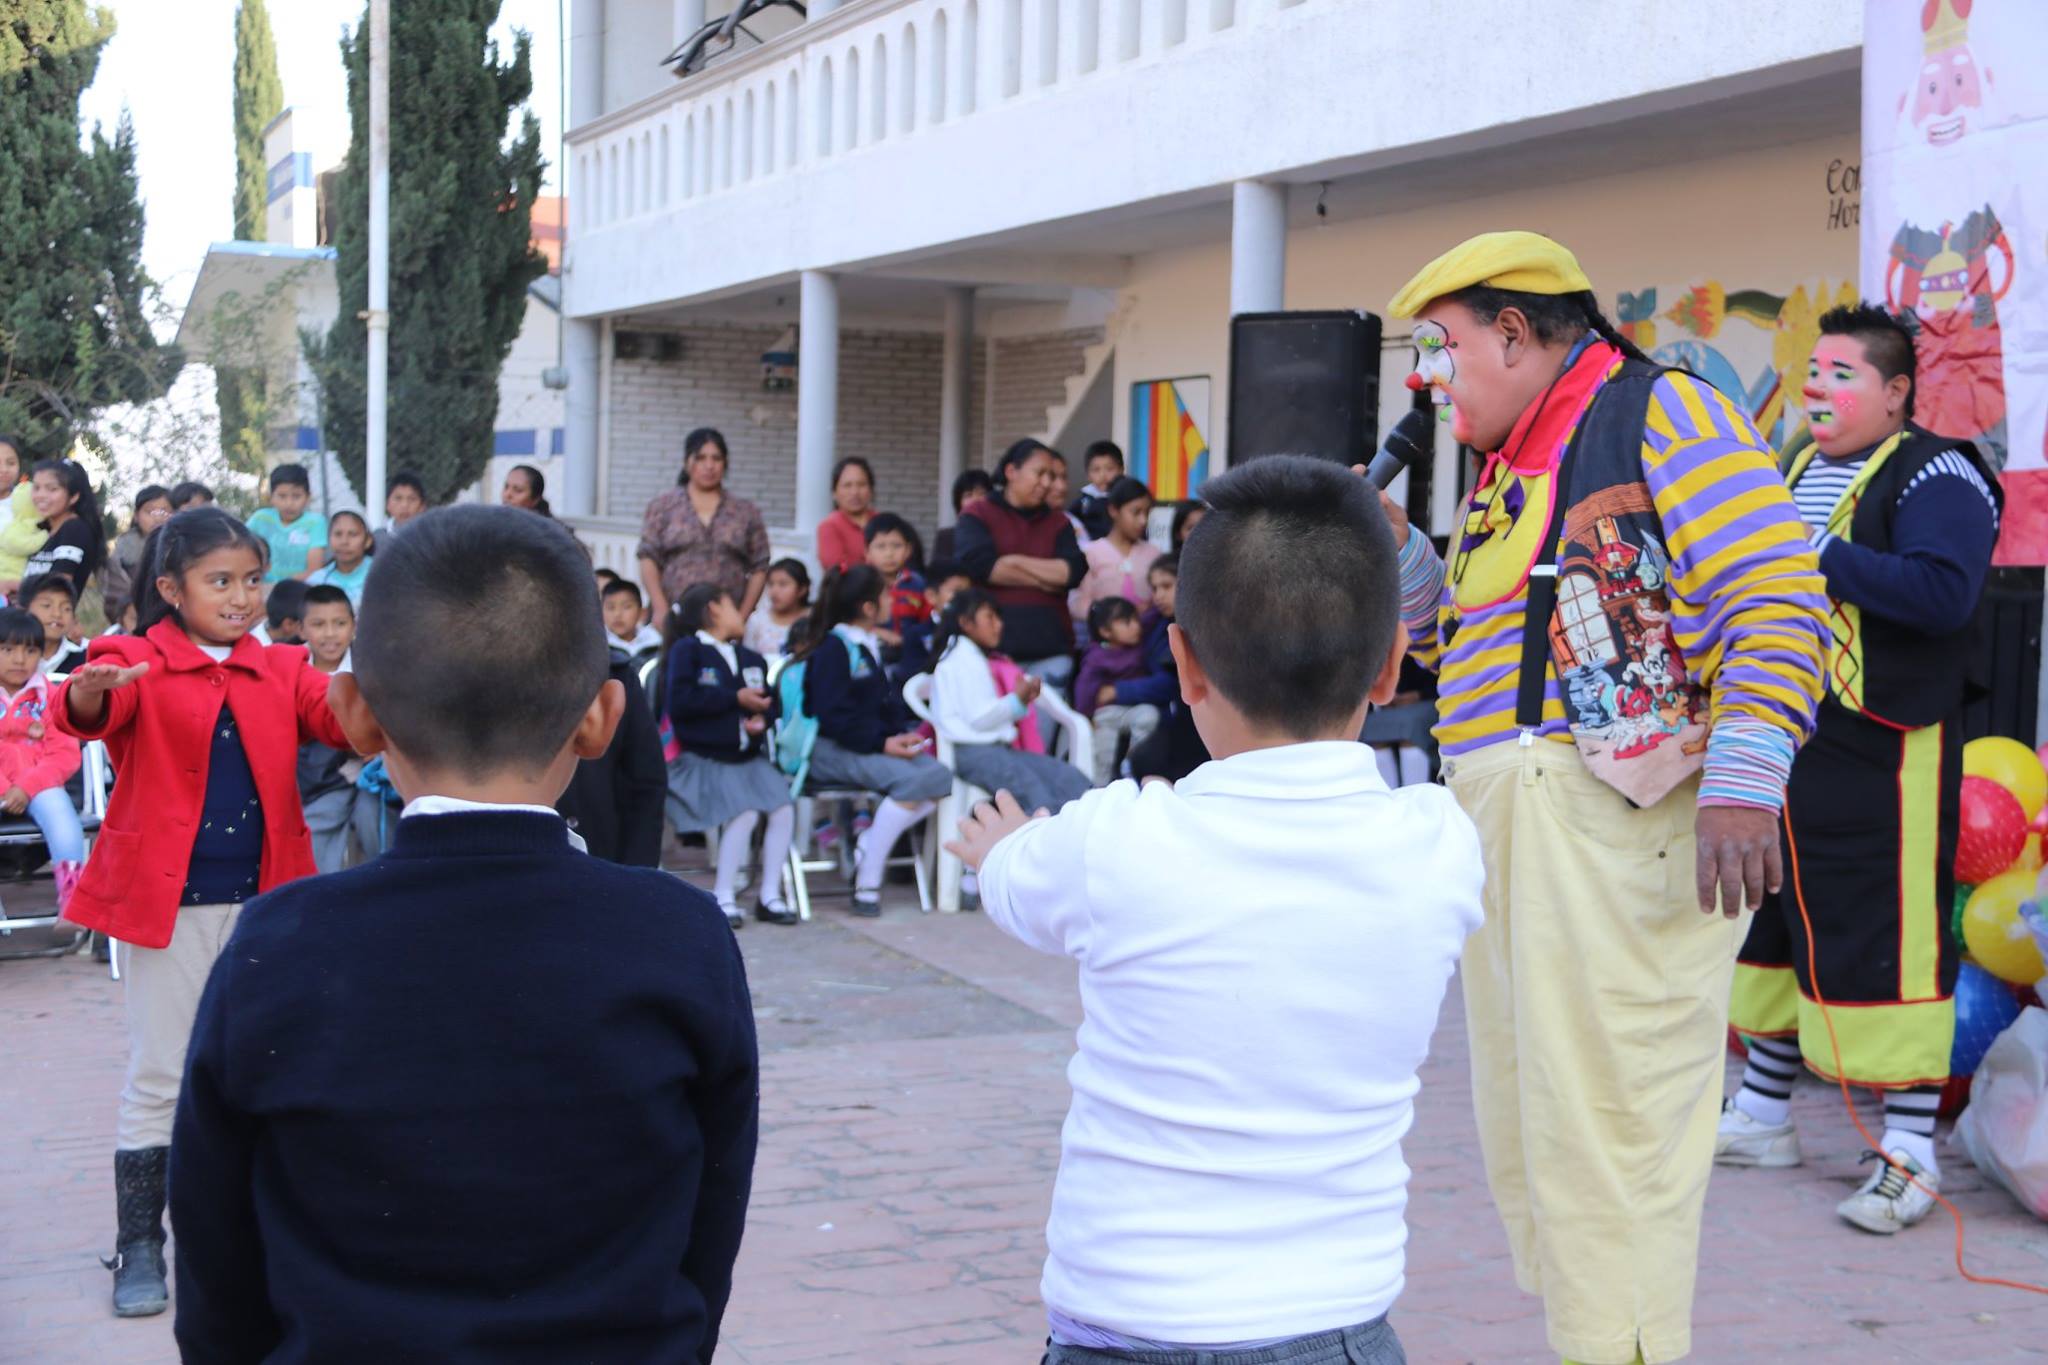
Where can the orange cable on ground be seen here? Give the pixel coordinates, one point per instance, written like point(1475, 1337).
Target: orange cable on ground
point(1849, 1101)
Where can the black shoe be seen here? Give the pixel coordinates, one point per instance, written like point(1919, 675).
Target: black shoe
point(138, 1263)
point(768, 914)
point(867, 905)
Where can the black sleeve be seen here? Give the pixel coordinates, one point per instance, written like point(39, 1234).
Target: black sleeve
point(1942, 536)
point(641, 780)
point(974, 547)
point(726, 1098)
point(223, 1308)
point(1068, 550)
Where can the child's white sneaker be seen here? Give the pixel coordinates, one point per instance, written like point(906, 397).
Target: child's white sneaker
point(1888, 1200)
point(1742, 1141)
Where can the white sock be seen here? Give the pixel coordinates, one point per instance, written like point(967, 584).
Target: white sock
point(1390, 771)
point(1916, 1145)
point(735, 842)
point(775, 853)
point(1414, 766)
point(970, 883)
point(1909, 1123)
point(892, 819)
point(1767, 1080)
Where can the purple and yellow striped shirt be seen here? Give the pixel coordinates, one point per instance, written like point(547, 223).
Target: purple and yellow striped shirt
point(1748, 606)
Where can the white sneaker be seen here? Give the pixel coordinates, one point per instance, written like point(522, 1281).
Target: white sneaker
point(1889, 1201)
point(1742, 1141)
point(733, 915)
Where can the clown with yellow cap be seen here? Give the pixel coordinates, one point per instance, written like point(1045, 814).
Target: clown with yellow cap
point(1628, 631)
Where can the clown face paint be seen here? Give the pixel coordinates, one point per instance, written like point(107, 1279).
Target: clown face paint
point(1848, 405)
point(1434, 366)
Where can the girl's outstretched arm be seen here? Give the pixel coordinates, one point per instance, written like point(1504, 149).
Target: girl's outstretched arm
point(98, 699)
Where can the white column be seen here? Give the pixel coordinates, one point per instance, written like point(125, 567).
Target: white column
point(1258, 247)
point(817, 396)
point(580, 404)
point(688, 17)
point(955, 374)
point(377, 316)
point(586, 61)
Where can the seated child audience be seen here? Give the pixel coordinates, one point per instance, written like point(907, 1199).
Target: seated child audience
point(484, 1097)
point(405, 497)
point(77, 544)
point(36, 758)
point(348, 541)
point(945, 581)
point(1231, 1178)
point(1104, 461)
point(1117, 656)
point(190, 493)
point(867, 739)
point(124, 558)
point(892, 553)
point(970, 487)
point(614, 801)
point(981, 705)
point(786, 601)
point(1119, 557)
point(625, 621)
point(297, 538)
point(284, 612)
point(719, 710)
point(52, 599)
point(1175, 749)
point(327, 775)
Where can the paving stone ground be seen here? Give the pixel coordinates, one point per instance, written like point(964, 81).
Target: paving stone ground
point(913, 1087)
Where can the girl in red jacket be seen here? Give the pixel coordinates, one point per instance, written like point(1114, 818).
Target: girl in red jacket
point(36, 759)
point(204, 726)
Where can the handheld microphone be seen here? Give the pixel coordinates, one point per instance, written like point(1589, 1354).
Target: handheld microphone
point(1407, 445)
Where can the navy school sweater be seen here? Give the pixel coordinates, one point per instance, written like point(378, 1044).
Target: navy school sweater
point(703, 700)
point(484, 1098)
point(855, 704)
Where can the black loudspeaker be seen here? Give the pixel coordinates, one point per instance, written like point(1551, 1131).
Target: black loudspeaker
point(1304, 384)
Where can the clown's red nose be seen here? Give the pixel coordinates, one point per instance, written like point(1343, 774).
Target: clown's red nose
point(1413, 381)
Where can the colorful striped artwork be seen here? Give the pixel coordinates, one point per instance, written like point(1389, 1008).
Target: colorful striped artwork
point(1169, 452)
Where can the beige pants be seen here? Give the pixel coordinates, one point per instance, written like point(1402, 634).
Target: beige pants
point(163, 986)
point(1596, 996)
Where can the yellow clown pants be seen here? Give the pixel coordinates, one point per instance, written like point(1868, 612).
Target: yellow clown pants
point(1596, 997)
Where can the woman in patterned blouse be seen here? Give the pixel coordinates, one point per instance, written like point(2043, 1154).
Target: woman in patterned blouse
point(698, 533)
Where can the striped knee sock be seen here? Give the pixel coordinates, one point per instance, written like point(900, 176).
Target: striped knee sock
point(1909, 1123)
point(1767, 1080)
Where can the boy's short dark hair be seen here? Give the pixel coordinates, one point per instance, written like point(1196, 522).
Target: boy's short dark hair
point(967, 482)
point(884, 523)
point(292, 475)
point(479, 647)
point(405, 478)
point(1168, 563)
point(621, 587)
point(1887, 341)
point(149, 493)
point(1107, 611)
point(1109, 448)
point(33, 588)
point(943, 569)
point(287, 602)
point(189, 492)
point(323, 595)
point(606, 575)
point(17, 627)
point(1289, 592)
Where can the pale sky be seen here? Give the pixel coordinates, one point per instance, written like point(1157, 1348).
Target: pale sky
point(171, 62)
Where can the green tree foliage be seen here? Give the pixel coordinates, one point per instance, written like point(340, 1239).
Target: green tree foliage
point(461, 253)
point(74, 326)
point(259, 98)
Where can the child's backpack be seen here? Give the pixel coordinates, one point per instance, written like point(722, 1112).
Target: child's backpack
point(796, 730)
point(374, 782)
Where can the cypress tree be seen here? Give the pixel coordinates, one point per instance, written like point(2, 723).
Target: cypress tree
point(461, 253)
point(74, 330)
point(259, 98)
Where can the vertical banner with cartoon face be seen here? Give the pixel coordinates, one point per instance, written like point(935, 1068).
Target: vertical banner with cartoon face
point(1955, 226)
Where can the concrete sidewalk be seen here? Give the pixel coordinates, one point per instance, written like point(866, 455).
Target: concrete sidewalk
point(913, 1087)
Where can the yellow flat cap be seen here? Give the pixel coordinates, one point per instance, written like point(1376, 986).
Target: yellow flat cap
point(1527, 262)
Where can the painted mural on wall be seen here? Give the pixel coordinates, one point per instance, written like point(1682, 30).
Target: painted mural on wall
point(1169, 447)
point(1953, 224)
point(1751, 344)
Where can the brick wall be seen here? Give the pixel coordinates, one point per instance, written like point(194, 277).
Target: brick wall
point(888, 412)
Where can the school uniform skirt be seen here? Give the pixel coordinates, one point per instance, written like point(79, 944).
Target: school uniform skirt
point(1037, 781)
point(905, 779)
point(704, 793)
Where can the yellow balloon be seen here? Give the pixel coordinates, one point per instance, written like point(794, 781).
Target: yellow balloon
point(2031, 857)
point(2013, 766)
point(1994, 933)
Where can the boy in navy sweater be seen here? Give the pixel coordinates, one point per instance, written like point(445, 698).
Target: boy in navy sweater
point(434, 1111)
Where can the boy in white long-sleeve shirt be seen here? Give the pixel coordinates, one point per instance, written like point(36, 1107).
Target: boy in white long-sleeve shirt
point(985, 720)
point(1263, 948)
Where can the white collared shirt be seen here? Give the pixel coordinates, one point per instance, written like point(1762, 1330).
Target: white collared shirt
point(455, 805)
point(1264, 948)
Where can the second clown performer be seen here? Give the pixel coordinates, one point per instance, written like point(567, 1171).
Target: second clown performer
point(1904, 521)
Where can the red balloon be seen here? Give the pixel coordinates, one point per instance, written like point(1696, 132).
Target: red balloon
point(1993, 833)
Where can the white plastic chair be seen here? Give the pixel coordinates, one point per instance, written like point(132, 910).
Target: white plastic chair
point(953, 809)
point(92, 810)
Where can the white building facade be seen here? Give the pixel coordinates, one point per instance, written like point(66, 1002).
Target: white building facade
point(989, 219)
